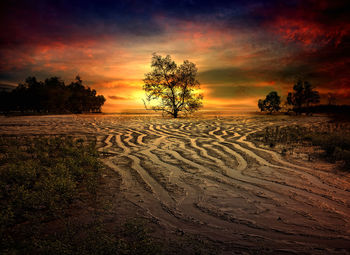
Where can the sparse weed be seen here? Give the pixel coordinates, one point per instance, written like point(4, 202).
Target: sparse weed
point(332, 138)
point(40, 178)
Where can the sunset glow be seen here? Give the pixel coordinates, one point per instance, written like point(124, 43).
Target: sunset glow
point(243, 49)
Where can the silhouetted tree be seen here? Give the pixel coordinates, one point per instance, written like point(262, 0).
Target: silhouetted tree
point(51, 96)
point(56, 95)
point(303, 96)
point(75, 101)
point(172, 87)
point(261, 105)
point(311, 96)
point(33, 92)
point(271, 103)
point(99, 102)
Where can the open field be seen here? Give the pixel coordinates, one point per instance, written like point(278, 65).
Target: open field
point(200, 176)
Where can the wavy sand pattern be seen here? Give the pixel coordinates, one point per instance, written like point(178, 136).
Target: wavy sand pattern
point(203, 177)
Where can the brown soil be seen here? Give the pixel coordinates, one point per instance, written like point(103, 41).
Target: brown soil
point(201, 176)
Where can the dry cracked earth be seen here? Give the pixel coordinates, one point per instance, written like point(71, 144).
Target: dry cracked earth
point(201, 176)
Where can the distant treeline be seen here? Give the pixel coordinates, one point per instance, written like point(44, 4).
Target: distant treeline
point(303, 99)
point(51, 96)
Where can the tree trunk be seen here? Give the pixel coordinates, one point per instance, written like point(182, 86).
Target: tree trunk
point(175, 113)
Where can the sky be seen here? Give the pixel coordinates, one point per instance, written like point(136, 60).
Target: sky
point(242, 49)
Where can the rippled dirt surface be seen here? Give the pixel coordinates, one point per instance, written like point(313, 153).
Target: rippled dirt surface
point(201, 176)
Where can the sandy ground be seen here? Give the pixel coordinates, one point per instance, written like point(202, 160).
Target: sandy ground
point(201, 176)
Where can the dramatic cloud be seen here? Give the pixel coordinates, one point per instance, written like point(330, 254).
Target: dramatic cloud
point(243, 49)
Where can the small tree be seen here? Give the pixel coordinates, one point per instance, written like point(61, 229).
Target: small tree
point(172, 87)
point(261, 105)
point(303, 95)
point(311, 96)
point(270, 103)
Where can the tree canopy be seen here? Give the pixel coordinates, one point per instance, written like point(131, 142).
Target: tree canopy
point(270, 103)
point(173, 88)
point(51, 96)
point(303, 95)
point(301, 99)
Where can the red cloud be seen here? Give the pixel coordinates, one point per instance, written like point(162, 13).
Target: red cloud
point(308, 33)
point(311, 23)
